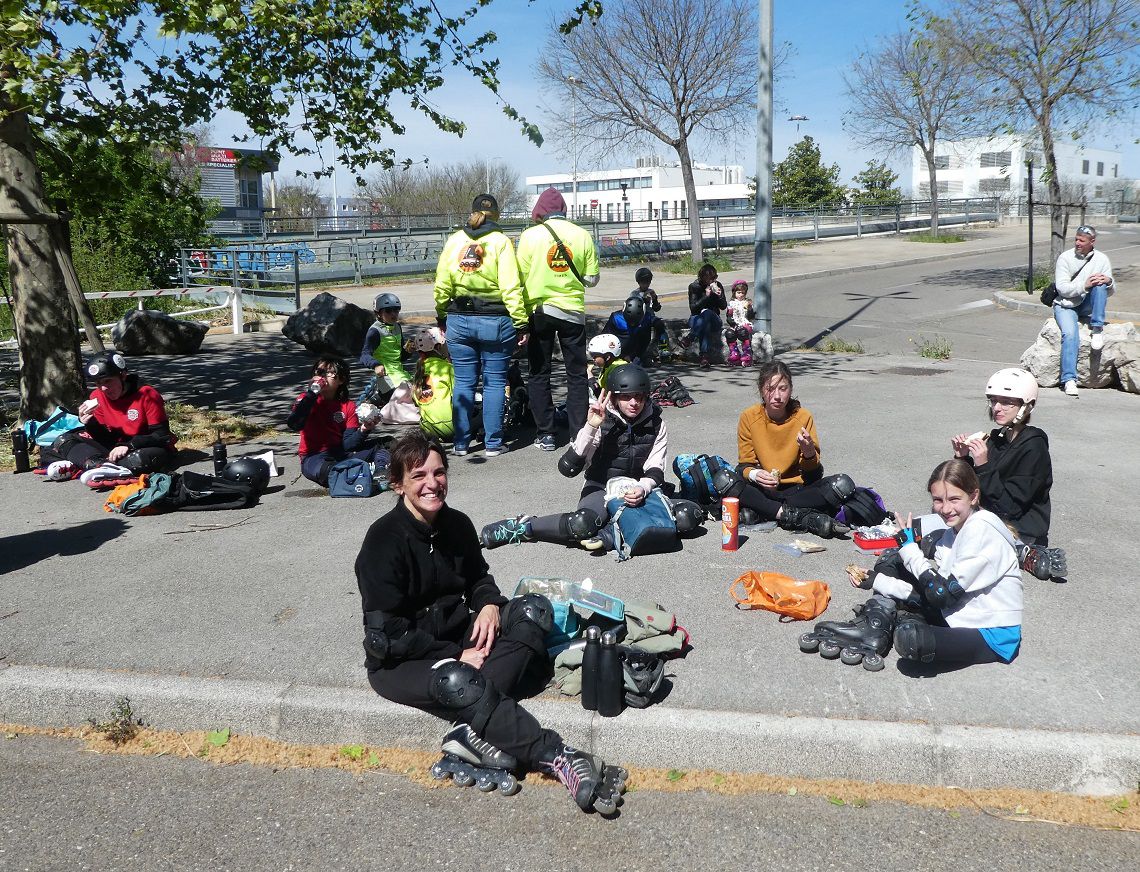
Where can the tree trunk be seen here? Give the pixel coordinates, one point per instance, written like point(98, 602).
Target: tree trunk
point(691, 200)
point(933, 174)
point(50, 372)
point(1053, 180)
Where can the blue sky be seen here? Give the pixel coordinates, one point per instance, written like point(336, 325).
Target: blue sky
point(826, 36)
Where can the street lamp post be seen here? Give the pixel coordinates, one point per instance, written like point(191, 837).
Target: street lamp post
point(574, 82)
point(762, 241)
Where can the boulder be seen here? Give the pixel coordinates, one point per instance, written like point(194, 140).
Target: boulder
point(1094, 369)
point(329, 325)
point(1127, 363)
point(147, 332)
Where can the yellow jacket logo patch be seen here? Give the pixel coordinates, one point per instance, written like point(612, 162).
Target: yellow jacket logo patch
point(556, 261)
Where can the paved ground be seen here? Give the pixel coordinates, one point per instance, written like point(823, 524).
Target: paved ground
point(252, 620)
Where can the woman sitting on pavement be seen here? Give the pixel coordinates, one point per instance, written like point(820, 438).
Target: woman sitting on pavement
point(125, 427)
point(706, 302)
point(327, 421)
point(624, 436)
point(959, 588)
point(1014, 469)
point(440, 637)
point(779, 475)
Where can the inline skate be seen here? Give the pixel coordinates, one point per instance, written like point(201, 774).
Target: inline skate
point(592, 783)
point(468, 759)
point(864, 640)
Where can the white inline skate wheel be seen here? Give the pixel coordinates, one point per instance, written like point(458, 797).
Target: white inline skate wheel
point(829, 650)
point(851, 656)
point(873, 663)
point(463, 779)
point(485, 785)
point(438, 772)
point(509, 786)
point(809, 644)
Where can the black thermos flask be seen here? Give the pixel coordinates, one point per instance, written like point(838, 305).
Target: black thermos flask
point(219, 455)
point(20, 451)
point(590, 661)
point(611, 678)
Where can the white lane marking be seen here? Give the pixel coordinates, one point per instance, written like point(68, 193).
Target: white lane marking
point(977, 304)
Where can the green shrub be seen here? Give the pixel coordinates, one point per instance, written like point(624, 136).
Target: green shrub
point(687, 266)
point(937, 348)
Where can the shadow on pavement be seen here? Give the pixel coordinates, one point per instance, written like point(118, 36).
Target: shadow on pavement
point(25, 549)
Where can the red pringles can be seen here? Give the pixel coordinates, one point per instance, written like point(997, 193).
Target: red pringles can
point(730, 524)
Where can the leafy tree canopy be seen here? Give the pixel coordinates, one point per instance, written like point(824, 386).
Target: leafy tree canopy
point(875, 185)
point(801, 179)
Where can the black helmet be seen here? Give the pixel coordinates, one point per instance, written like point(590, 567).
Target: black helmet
point(107, 365)
point(247, 470)
point(385, 301)
point(643, 274)
point(634, 310)
point(629, 378)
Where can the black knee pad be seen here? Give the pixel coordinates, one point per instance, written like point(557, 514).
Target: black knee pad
point(532, 607)
point(136, 461)
point(727, 483)
point(582, 524)
point(463, 689)
point(914, 640)
point(689, 515)
point(840, 489)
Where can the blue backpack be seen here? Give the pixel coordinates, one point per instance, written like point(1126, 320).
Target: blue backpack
point(695, 472)
point(649, 528)
point(351, 477)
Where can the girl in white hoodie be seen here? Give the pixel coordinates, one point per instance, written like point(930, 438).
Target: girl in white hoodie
point(960, 587)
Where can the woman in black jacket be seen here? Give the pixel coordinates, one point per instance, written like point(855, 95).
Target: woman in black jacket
point(706, 302)
point(1014, 468)
point(439, 636)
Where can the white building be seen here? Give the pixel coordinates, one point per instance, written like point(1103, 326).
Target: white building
point(652, 189)
point(984, 166)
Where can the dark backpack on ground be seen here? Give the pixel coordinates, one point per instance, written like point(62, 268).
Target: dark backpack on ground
point(194, 492)
point(670, 392)
point(695, 472)
point(864, 508)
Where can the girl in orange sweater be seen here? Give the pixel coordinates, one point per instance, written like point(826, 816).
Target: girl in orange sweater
point(779, 474)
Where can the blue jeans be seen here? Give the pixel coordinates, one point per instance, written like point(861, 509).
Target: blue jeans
point(1091, 307)
point(480, 343)
point(705, 329)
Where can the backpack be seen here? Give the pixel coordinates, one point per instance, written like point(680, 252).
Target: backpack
point(695, 472)
point(351, 477)
point(649, 528)
point(58, 423)
point(670, 392)
point(786, 596)
point(865, 508)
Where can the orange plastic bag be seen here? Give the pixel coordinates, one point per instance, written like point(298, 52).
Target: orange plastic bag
point(788, 597)
point(120, 493)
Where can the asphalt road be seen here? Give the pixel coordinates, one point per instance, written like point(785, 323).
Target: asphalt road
point(66, 809)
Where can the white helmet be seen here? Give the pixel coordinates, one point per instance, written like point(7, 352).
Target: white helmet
point(1013, 383)
point(604, 343)
point(428, 338)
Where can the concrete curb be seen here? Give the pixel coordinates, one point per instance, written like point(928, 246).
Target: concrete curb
point(907, 753)
point(1027, 303)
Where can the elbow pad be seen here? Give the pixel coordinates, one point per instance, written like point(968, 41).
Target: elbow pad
point(571, 463)
point(938, 591)
point(377, 643)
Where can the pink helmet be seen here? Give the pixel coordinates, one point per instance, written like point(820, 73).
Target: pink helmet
point(428, 338)
point(1013, 383)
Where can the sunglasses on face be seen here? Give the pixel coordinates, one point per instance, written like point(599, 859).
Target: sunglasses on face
point(1086, 230)
point(328, 372)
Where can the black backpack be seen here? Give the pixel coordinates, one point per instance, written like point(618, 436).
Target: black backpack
point(864, 508)
point(194, 492)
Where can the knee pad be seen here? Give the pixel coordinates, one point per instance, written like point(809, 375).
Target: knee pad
point(689, 515)
point(727, 483)
point(841, 488)
point(914, 640)
point(582, 524)
point(135, 462)
point(532, 607)
point(463, 689)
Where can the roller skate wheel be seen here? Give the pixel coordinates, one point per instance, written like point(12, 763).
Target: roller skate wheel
point(851, 656)
point(605, 805)
point(463, 779)
point(485, 785)
point(829, 650)
point(509, 786)
point(809, 644)
point(873, 663)
point(438, 772)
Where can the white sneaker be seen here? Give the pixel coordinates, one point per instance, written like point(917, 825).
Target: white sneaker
point(1096, 340)
point(106, 472)
point(60, 470)
point(1071, 388)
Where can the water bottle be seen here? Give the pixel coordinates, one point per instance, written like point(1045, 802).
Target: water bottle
point(611, 677)
point(219, 455)
point(590, 661)
point(20, 451)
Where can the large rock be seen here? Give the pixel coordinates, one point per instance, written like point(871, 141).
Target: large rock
point(1127, 362)
point(1095, 369)
point(329, 325)
point(148, 332)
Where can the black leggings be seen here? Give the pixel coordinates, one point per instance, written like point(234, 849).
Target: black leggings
point(551, 528)
point(87, 454)
point(962, 645)
point(766, 502)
